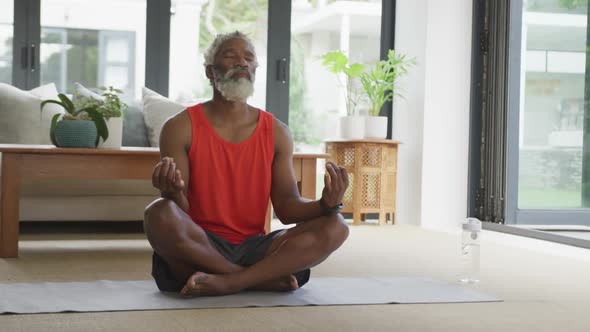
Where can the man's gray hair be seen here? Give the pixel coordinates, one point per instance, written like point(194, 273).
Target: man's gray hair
point(212, 50)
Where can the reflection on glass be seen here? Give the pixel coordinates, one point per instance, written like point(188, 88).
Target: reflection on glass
point(6, 36)
point(194, 25)
point(552, 109)
point(79, 45)
point(69, 56)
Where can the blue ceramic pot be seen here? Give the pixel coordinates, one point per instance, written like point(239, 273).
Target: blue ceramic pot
point(75, 134)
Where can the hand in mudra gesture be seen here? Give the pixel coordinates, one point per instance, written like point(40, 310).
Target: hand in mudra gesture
point(335, 184)
point(166, 177)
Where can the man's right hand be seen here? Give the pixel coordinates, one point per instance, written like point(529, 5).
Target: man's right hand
point(167, 178)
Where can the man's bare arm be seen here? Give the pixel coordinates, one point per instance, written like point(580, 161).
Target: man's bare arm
point(288, 204)
point(174, 177)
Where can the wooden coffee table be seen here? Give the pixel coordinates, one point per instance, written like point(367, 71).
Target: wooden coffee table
point(46, 161)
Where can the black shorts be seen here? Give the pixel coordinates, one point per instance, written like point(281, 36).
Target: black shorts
point(246, 253)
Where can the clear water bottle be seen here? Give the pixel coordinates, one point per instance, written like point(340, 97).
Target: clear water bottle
point(470, 250)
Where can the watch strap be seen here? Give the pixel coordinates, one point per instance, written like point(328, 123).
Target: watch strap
point(328, 211)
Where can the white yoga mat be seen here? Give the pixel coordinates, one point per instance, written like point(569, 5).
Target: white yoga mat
point(104, 295)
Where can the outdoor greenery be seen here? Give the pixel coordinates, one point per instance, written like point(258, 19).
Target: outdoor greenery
point(548, 198)
point(557, 6)
point(550, 178)
point(300, 119)
point(570, 4)
point(225, 16)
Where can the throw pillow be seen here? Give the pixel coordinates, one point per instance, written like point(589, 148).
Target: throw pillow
point(156, 110)
point(134, 129)
point(85, 92)
point(21, 121)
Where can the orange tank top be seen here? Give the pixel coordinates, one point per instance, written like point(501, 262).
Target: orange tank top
point(229, 184)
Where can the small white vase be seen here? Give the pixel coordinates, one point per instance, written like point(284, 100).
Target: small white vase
point(352, 127)
point(115, 139)
point(376, 127)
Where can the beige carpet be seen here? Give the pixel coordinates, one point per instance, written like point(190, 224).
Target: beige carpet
point(542, 292)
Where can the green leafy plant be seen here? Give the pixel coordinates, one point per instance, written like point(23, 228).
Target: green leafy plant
point(337, 63)
point(379, 81)
point(74, 113)
point(110, 107)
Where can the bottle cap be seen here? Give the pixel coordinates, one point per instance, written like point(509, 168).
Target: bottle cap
point(472, 225)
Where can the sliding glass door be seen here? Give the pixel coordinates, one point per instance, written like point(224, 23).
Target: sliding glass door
point(548, 157)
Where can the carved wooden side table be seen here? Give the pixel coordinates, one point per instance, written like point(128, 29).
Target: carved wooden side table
point(372, 169)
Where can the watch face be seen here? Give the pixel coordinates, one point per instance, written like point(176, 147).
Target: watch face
point(337, 208)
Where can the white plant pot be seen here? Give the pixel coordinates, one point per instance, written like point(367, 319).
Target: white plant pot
point(376, 127)
point(352, 127)
point(115, 139)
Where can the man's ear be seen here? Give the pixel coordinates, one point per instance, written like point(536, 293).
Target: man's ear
point(209, 72)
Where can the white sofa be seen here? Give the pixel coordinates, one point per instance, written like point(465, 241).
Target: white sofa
point(71, 200)
point(80, 200)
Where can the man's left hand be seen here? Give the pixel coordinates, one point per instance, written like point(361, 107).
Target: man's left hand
point(335, 184)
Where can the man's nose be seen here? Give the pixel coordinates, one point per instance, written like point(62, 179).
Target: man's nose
point(242, 62)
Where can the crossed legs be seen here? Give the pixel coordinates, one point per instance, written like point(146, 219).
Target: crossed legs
point(185, 247)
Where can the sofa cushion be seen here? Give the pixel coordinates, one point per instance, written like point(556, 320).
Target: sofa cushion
point(21, 121)
point(157, 109)
point(83, 91)
point(134, 128)
point(86, 187)
point(68, 208)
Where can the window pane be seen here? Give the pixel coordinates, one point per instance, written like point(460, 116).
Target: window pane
point(552, 109)
point(316, 96)
point(194, 24)
point(6, 36)
point(78, 44)
point(117, 75)
point(118, 50)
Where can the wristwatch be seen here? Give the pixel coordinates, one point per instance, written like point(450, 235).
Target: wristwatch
point(328, 211)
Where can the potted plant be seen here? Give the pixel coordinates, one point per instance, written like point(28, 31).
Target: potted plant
point(78, 127)
point(112, 108)
point(379, 84)
point(351, 126)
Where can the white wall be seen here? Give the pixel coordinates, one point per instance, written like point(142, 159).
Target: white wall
point(408, 120)
point(433, 189)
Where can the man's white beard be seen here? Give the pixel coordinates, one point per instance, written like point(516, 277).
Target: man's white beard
point(234, 89)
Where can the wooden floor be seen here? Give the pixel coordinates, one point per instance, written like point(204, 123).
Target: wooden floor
point(545, 286)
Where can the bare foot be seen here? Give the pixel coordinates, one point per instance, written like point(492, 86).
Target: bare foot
point(282, 284)
point(204, 284)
